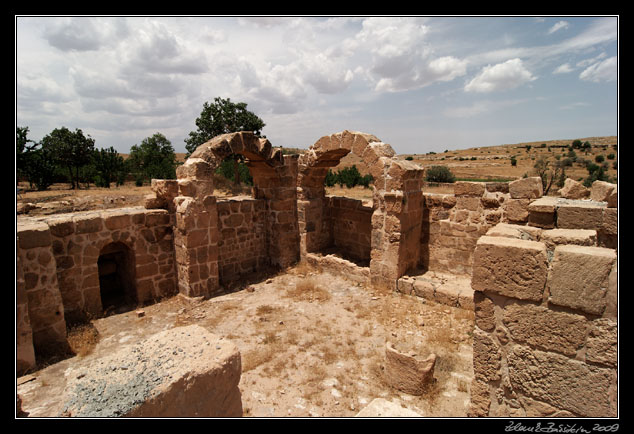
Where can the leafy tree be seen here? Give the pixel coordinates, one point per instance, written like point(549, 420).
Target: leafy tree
point(108, 165)
point(576, 144)
point(595, 173)
point(34, 162)
point(153, 158)
point(228, 170)
point(439, 174)
point(72, 151)
point(222, 117)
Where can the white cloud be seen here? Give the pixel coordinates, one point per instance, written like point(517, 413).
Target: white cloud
point(563, 69)
point(601, 71)
point(558, 26)
point(400, 56)
point(503, 76)
point(84, 33)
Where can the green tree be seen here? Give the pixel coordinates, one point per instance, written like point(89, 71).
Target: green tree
point(439, 174)
point(33, 162)
point(72, 151)
point(222, 117)
point(108, 165)
point(153, 158)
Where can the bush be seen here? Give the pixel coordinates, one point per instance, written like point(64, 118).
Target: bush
point(439, 174)
point(348, 176)
point(513, 161)
point(599, 158)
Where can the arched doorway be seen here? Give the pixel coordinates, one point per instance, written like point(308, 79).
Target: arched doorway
point(116, 278)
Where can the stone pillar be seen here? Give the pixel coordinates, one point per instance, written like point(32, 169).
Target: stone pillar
point(45, 310)
point(196, 230)
point(397, 219)
point(278, 186)
point(25, 354)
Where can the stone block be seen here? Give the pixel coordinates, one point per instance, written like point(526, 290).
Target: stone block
point(487, 357)
point(585, 390)
point(88, 223)
point(602, 344)
point(526, 188)
point(181, 372)
point(33, 234)
point(580, 215)
point(510, 267)
point(579, 277)
point(517, 210)
point(573, 190)
point(545, 329)
point(464, 188)
point(601, 191)
point(407, 371)
point(515, 231)
point(484, 312)
point(579, 237)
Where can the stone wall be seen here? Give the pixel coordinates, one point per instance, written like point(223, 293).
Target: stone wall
point(545, 338)
point(58, 257)
point(242, 248)
point(453, 223)
point(349, 224)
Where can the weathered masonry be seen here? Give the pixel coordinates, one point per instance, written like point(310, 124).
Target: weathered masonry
point(540, 272)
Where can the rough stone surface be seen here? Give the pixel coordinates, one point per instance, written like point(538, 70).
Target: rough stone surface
point(510, 267)
point(408, 372)
point(571, 385)
point(580, 215)
point(601, 191)
point(579, 277)
point(573, 190)
point(182, 372)
point(543, 328)
point(526, 188)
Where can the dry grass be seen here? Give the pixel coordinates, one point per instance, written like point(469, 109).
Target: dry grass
point(82, 339)
point(308, 290)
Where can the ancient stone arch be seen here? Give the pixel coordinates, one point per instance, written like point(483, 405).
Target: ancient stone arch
point(395, 221)
point(197, 234)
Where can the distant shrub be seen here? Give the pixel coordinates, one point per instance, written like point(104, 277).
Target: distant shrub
point(513, 161)
point(611, 156)
point(439, 174)
point(410, 158)
point(599, 158)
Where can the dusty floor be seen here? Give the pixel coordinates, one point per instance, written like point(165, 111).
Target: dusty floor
point(312, 345)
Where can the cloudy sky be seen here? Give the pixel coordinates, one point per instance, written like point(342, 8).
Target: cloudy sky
point(420, 84)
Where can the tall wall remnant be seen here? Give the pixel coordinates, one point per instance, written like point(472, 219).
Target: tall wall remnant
point(546, 332)
point(393, 225)
point(197, 233)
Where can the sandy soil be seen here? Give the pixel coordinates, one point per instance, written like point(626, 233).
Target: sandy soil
point(312, 345)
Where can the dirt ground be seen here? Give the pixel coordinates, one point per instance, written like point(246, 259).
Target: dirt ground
point(312, 344)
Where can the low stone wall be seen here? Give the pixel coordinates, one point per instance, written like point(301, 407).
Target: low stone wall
point(452, 224)
point(58, 257)
point(545, 337)
point(242, 248)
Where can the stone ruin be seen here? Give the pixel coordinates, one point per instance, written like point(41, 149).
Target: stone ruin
point(540, 272)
